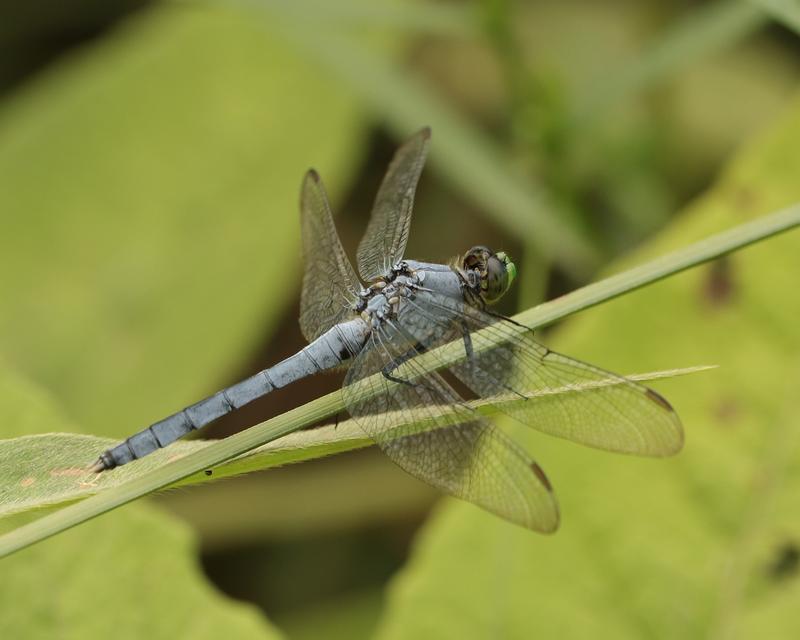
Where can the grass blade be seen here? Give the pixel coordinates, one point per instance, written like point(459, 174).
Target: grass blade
point(700, 33)
point(467, 158)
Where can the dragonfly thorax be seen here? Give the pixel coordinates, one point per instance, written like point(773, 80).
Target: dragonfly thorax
point(383, 299)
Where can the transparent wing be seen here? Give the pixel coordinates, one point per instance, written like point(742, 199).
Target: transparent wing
point(385, 240)
point(550, 392)
point(330, 286)
point(425, 427)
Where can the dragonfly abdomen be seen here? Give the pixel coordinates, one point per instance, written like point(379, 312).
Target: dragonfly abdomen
point(328, 351)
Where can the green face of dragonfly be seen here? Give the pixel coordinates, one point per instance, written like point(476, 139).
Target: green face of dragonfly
point(496, 271)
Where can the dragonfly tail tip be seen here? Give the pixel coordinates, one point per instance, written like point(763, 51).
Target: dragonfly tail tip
point(97, 466)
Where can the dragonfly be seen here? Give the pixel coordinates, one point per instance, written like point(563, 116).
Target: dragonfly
point(421, 343)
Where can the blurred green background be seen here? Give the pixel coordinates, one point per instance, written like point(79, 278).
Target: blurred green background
point(151, 155)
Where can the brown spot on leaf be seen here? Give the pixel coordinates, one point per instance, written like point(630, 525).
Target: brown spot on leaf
point(727, 411)
point(742, 200)
point(744, 197)
point(537, 470)
point(27, 482)
point(719, 286)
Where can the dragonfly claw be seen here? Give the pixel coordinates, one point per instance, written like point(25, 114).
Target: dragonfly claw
point(98, 466)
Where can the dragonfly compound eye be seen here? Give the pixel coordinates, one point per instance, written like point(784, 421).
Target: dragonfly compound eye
point(495, 272)
point(500, 273)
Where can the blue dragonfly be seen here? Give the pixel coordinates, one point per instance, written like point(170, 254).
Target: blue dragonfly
point(392, 327)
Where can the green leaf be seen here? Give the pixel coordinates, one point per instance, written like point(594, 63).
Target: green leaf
point(49, 469)
point(150, 233)
point(696, 546)
point(128, 577)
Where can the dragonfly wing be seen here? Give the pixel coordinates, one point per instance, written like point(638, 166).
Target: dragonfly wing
point(549, 391)
point(330, 285)
point(425, 427)
point(385, 240)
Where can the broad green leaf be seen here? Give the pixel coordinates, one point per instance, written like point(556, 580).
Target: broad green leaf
point(699, 545)
point(50, 468)
point(149, 187)
point(133, 577)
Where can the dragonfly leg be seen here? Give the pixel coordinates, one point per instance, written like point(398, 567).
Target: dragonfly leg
point(395, 364)
point(391, 366)
point(465, 334)
point(337, 420)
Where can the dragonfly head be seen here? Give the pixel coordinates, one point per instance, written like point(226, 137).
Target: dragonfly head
point(495, 271)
